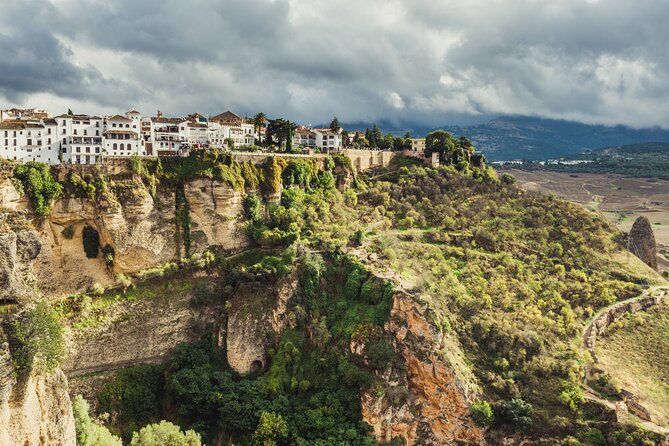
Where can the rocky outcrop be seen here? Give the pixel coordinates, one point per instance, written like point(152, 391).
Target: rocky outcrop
point(642, 242)
point(425, 402)
point(18, 249)
point(131, 333)
point(34, 410)
point(141, 228)
point(256, 319)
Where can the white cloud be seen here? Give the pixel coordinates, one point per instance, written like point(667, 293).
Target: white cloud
point(392, 60)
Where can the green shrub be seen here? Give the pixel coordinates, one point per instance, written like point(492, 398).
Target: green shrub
point(134, 394)
point(89, 433)
point(39, 185)
point(36, 341)
point(108, 253)
point(482, 413)
point(165, 433)
point(91, 240)
point(517, 412)
point(271, 431)
point(68, 232)
point(252, 208)
point(571, 395)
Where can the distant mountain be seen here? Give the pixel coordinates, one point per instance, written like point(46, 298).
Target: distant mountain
point(645, 148)
point(535, 138)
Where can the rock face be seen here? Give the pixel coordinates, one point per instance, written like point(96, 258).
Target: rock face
point(255, 321)
point(35, 410)
point(426, 403)
point(141, 228)
point(18, 249)
point(642, 242)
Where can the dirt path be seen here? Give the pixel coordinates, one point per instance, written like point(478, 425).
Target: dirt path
point(589, 345)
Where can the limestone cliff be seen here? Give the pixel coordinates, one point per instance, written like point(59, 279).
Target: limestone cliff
point(141, 227)
point(34, 410)
point(427, 401)
point(255, 321)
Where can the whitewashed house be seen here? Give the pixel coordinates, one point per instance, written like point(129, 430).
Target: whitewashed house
point(80, 138)
point(328, 140)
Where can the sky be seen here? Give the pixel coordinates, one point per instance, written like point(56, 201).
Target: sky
point(436, 62)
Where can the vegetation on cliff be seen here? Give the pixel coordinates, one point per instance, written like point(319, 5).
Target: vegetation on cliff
point(508, 279)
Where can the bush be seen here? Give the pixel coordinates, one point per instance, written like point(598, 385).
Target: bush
point(165, 433)
point(91, 238)
point(271, 430)
point(571, 395)
point(252, 208)
point(68, 232)
point(89, 433)
point(37, 340)
point(482, 413)
point(517, 412)
point(39, 185)
point(108, 253)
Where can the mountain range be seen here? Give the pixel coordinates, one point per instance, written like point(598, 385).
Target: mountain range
point(522, 137)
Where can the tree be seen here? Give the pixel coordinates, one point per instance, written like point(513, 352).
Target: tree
point(259, 121)
point(441, 142)
point(374, 136)
point(230, 143)
point(165, 433)
point(37, 339)
point(271, 430)
point(334, 125)
point(69, 112)
point(280, 131)
point(89, 433)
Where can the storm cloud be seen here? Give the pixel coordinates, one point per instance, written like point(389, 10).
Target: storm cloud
point(437, 62)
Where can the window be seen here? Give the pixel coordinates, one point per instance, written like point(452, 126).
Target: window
point(88, 150)
point(114, 146)
point(63, 123)
point(97, 150)
point(121, 146)
point(85, 132)
point(49, 141)
point(63, 131)
point(75, 131)
point(48, 130)
point(97, 133)
point(78, 149)
point(114, 124)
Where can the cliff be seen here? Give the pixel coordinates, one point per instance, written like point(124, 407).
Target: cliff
point(427, 400)
point(35, 410)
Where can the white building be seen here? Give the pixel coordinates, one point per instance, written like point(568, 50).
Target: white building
point(80, 138)
point(122, 135)
point(29, 141)
point(328, 140)
point(165, 136)
point(228, 125)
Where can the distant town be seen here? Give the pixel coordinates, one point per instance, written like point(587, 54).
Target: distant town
point(36, 135)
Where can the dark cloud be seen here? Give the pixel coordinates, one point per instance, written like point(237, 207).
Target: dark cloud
point(603, 61)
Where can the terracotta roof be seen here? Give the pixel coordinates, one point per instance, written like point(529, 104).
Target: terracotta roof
point(119, 118)
point(197, 125)
point(14, 125)
point(227, 116)
point(50, 121)
point(133, 112)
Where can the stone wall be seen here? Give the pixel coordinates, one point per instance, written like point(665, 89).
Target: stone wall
point(362, 160)
point(602, 322)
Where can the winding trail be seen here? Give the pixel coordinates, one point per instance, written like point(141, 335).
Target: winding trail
point(650, 297)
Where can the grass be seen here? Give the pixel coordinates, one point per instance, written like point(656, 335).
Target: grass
point(634, 353)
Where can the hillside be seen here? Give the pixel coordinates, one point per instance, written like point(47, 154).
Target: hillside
point(507, 138)
point(296, 301)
